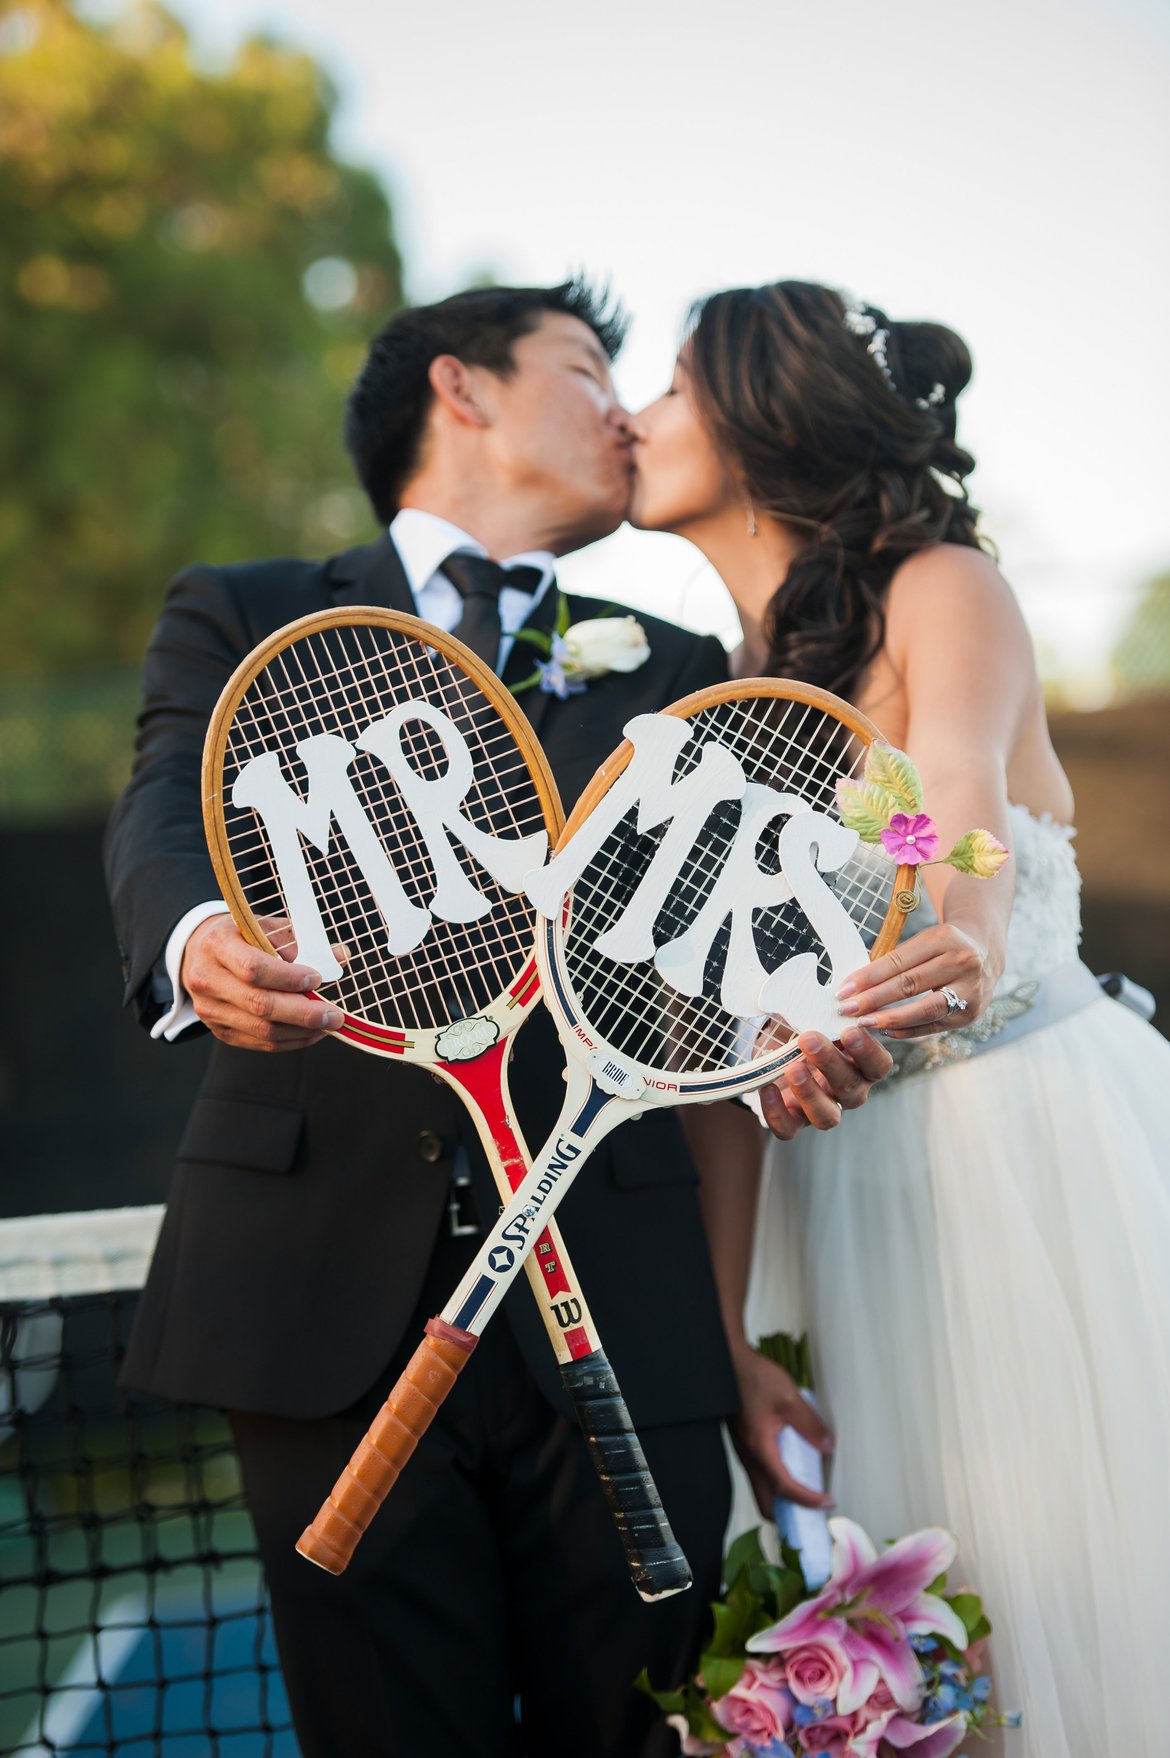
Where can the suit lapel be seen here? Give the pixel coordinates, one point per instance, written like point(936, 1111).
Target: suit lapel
point(372, 574)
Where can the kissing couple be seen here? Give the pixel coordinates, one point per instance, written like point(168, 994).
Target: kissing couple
point(325, 1204)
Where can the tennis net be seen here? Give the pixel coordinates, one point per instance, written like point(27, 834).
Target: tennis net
point(133, 1618)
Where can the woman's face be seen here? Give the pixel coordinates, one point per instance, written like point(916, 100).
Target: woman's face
point(680, 481)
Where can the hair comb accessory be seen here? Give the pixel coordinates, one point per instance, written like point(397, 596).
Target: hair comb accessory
point(860, 321)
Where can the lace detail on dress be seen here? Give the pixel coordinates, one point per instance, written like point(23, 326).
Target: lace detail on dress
point(1045, 929)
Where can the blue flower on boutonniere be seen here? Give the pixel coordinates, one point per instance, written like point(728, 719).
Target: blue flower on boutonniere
point(576, 653)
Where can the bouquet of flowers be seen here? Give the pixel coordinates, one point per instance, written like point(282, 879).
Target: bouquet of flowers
point(877, 1660)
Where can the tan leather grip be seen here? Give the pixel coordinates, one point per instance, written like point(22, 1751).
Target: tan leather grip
point(390, 1440)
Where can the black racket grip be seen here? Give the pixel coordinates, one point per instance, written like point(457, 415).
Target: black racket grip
point(657, 1565)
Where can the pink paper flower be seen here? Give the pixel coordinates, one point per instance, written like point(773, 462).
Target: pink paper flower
point(910, 840)
point(815, 1672)
point(867, 1611)
point(759, 1706)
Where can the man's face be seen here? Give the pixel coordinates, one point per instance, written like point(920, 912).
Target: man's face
point(557, 434)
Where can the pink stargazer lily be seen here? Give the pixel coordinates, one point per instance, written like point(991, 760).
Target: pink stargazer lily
point(911, 840)
point(869, 1608)
point(938, 1740)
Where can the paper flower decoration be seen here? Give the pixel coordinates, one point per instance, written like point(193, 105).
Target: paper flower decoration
point(885, 808)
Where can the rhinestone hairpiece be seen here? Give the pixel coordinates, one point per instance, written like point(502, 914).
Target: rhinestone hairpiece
point(860, 321)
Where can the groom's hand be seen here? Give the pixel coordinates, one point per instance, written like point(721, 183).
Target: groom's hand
point(769, 1400)
point(829, 1080)
point(250, 999)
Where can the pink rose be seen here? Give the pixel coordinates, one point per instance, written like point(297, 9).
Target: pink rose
point(832, 1735)
point(910, 840)
point(759, 1707)
point(814, 1673)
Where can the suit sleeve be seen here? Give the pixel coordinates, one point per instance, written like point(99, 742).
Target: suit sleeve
point(156, 859)
point(705, 664)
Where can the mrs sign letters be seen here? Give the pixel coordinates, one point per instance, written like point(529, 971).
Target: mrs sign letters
point(809, 843)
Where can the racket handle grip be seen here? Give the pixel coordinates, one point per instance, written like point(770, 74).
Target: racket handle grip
point(389, 1441)
point(657, 1566)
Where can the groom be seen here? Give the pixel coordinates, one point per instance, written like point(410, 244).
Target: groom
point(321, 1209)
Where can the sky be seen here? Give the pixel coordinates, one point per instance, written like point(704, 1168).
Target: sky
point(999, 166)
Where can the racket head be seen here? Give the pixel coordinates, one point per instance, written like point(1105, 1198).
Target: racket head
point(641, 1038)
point(339, 673)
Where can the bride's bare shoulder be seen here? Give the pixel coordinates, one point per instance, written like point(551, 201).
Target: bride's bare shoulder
point(953, 585)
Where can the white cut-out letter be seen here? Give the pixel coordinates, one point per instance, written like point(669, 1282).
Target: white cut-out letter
point(288, 819)
point(794, 989)
point(436, 805)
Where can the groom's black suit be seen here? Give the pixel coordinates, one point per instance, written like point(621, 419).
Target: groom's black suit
point(305, 1238)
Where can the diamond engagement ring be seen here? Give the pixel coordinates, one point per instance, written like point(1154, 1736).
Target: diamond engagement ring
point(954, 1005)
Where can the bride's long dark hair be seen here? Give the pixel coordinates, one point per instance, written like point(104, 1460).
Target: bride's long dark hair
point(841, 423)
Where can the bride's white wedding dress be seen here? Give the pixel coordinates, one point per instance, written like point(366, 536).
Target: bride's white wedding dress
point(982, 1257)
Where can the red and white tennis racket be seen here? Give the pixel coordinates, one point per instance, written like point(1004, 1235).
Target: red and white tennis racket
point(702, 907)
point(374, 798)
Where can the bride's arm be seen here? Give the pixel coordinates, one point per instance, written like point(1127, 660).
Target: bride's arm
point(957, 640)
point(726, 1144)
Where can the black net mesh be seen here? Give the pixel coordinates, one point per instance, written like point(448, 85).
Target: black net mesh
point(133, 1618)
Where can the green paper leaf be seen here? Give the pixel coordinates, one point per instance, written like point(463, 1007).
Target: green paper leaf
point(978, 853)
point(721, 1672)
point(866, 808)
point(888, 768)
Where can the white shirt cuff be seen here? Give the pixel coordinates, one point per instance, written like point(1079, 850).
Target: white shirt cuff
point(181, 1015)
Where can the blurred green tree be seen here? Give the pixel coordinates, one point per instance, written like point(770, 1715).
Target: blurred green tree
point(1141, 659)
point(188, 274)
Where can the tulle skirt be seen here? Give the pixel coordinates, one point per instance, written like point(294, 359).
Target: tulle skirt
point(983, 1259)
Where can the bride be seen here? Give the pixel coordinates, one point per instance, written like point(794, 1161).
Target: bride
point(983, 1261)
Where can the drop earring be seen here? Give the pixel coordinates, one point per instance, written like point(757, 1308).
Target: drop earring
point(753, 529)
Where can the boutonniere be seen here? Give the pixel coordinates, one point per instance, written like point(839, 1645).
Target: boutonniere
point(885, 807)
point(576, 653)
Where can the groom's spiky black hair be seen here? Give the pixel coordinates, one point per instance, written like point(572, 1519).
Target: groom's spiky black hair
point(388, 406)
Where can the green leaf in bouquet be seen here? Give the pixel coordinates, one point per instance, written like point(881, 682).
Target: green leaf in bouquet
point(700, 1721)
point(737, 1618)
point(781, 1588)
point(978, 853)
point(791, 1353)
point(744, 1551)
point(968, 1608)
point(670, 1702)
point(866, 808)
point(721, 1672)
point(890, 769)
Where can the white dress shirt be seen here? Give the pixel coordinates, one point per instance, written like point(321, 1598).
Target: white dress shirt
point(423, 541)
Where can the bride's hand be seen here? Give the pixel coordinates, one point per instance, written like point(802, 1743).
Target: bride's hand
point(770, 1400)
point(933, 982)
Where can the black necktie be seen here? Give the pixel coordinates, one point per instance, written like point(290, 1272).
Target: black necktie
point(479, 581)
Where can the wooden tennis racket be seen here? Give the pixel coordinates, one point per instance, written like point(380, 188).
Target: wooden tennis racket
point(373, 799)
point(702, 906)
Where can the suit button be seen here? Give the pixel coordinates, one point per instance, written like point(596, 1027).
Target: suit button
point(430, 1147)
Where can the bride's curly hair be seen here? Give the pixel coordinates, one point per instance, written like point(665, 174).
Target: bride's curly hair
point(841, 423)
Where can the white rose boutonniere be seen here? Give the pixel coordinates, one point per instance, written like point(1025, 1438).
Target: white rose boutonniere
point(579, 652)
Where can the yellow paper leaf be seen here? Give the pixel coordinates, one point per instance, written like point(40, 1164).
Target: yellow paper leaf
point(865, 808)
point(978, 853)
point(887, 767)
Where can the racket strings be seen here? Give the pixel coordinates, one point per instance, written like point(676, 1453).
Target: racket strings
point(791, 747)
point(337, 681)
